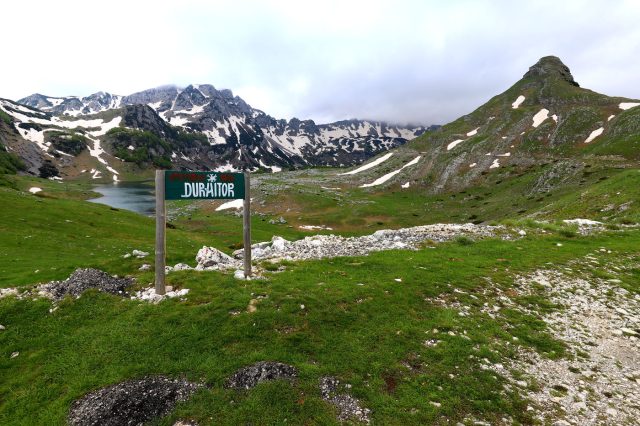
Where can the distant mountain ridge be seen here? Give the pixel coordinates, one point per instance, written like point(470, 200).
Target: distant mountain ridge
point(198, 127)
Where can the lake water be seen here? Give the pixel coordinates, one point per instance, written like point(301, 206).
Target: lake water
point(135, 196)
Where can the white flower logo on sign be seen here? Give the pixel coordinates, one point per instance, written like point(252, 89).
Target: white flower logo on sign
point(212, 178)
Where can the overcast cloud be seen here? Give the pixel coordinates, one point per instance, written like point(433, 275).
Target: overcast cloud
point(400, 61)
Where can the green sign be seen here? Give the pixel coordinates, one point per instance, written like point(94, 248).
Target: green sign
point(181, 185)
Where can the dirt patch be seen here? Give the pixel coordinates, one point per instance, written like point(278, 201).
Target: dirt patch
point(132, 402)
point(249, 377)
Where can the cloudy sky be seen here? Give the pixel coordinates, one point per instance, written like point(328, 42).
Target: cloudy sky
point(398, 60)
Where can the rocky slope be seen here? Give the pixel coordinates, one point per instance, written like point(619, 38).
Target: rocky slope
point(198, 127)
point(545, 119)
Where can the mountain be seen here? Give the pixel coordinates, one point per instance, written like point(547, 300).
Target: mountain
point(545, 123)
point(197, 127)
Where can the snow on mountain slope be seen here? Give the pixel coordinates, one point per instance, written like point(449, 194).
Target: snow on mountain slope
point(238, 135)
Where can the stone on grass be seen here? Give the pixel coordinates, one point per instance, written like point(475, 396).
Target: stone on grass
point(348, 406)
point(211, 257)
point(132, 402)
point(139, 253)
point(83, 279)
point(249, 377)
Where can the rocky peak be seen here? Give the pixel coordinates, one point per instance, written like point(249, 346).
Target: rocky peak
point(551, 66)
point(143, 117)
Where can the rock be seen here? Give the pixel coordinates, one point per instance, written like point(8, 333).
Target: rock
point(150, 295)
point(239, 274)
point(126, 256)
point(628, 331)
point(612, 412)
point(182, 267)
point(249, 377)
point(131, 402)
point(521, 383)
point(348, 406)
point(561, 423)
point(435, 404)
point(139, 254)
point(145, 267)
point(522, 232)
point(14, 354)
point(278, 243)
point(84, 279)
point(2, 327)
point(210, 257)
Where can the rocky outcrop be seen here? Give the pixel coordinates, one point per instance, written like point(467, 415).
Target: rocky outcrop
point(551, 66)
point(132, 402)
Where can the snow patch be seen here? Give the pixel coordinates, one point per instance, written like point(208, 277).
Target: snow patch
point(472, 165)
point(368, 166)
point(555, 118)
point(582, 222)
point(234, 204)
point(454, 144)
point(388, 176)
point(610, 117)
point(34, 189)
point(495, 164)
point(628, 105)
point(312, 227)
point(506, 154)
point(518, 101)
point(473, 132)
point(406, 185)
point(540, 116)
point(594, 134)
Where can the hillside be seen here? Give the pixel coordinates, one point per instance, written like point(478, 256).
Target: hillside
point(545, 120)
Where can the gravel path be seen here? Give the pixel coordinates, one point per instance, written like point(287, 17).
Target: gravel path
point(600, 323)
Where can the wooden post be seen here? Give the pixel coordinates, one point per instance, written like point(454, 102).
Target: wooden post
point(246, 217)
point(161, 229)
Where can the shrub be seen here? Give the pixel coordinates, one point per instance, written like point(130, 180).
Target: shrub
point(464, 240)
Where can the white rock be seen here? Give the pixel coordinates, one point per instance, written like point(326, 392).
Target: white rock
point(145, 267)
point(14, 354)
point(208, 257)
point(126, 256)
point(139, 253)
point(182, 267)
point(238, 274)
point(2, 327)
point(522, 232)
point(278, 243)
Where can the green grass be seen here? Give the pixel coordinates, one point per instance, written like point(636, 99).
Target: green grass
point(358, 323)
point(363, 334)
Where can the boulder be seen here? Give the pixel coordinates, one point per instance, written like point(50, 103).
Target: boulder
point(211, 257)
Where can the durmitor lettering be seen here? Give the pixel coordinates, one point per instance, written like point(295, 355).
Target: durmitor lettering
point(208, 189)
